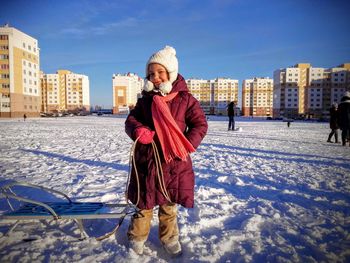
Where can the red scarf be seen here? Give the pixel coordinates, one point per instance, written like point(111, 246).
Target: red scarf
point(173, 141)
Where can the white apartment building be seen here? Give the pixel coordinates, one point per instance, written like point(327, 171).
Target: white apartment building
point(340, 80)
point(306, 92)
point(65, 91)
point(257, 97)
point(126, 90)
point(19, 73)
point(214, 95)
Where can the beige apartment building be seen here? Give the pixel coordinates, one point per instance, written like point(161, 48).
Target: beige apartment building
point(214, 95)
point(200, 89)
point(126, 90)
point(303, 91)
point(19, 74)
point(257, 97)
point(64, 91)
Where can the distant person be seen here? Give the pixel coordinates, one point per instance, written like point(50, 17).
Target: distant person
point(333, 123)
point(344, 117)
point(24, 117)
point(168, 115)
point(288, 124)
point(231, 115)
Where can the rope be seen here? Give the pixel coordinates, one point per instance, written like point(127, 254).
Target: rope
point(131, 162)
point(160, 175)
point(114, 230)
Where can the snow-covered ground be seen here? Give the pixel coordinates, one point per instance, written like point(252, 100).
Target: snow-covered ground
point(267, 193)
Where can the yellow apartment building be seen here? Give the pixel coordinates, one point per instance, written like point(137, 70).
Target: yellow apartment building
point(200, 89)
point(304, 91)
point(64, 91)
point(19, 74)
point(257, 97)
point(214, 95)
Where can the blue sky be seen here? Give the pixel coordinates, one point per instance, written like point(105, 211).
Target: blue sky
point(238, 39)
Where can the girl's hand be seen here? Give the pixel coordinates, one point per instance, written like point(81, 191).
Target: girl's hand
point(146, 135)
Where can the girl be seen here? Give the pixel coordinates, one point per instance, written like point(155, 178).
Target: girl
point(171, 117)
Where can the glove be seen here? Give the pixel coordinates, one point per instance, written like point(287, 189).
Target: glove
point(146, 135)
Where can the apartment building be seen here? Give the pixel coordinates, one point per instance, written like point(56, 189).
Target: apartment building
point(19, 74)
point(214, 95)
point(340, 82)
point(64, 91)
point(126, 90)
point(200, 89)
point(257, 97)
point(306, 92)
point(224, 90)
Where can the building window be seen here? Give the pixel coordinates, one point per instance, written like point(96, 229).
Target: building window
point(5, 76)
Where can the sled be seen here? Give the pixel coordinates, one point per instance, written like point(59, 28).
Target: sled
point(66, 209)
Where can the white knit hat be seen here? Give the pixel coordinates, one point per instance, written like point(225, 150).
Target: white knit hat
point(347, 94)
point(167, 58)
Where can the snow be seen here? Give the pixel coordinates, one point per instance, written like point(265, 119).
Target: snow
point(264, 193)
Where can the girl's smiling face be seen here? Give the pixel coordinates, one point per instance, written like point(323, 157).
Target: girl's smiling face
point(157, 74)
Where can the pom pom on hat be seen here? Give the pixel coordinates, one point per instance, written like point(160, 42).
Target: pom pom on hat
point(164, 87)
point(167, 58)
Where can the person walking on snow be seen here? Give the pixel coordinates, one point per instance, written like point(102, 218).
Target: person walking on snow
point(344, 117)
point(171, 117)
point(333, 123)
point(231, 115)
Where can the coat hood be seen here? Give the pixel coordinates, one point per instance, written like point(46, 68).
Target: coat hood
point(179, 85)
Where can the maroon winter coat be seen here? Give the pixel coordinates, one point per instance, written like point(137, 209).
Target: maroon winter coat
point(178, 174)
